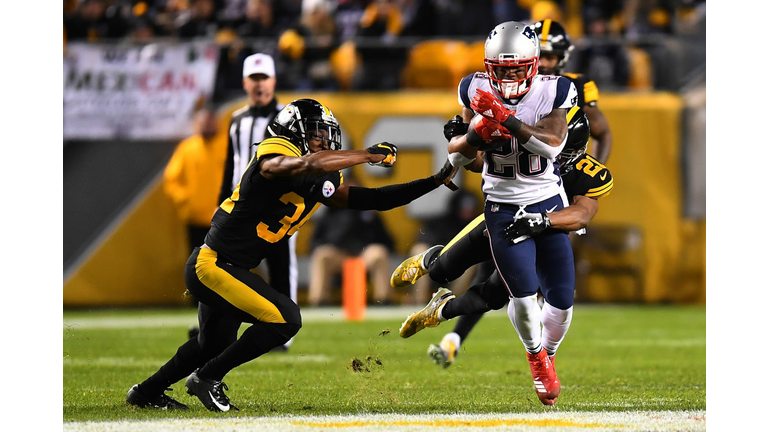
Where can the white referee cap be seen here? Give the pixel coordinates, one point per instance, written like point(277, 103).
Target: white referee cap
point(259, 64)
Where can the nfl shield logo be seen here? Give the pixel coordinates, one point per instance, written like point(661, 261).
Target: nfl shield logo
point(328, 189)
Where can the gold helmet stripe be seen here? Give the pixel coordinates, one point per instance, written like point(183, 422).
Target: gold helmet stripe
point(325, 108)
point(545, 31)
point(571, 112)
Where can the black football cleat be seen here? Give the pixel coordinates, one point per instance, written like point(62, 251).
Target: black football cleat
point(162, 401)
point(210, 393)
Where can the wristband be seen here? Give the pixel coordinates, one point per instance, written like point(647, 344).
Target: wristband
point(512, 123)
point(473, 138)
point(547, 221)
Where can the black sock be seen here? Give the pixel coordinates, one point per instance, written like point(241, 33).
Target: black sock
point(468, 303)
point(188, 357)
point(465, 323)
point(258, 339)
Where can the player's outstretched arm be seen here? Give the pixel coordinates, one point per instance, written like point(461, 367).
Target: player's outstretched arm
point(328, 161)
point(571, 218)
point(388, 197)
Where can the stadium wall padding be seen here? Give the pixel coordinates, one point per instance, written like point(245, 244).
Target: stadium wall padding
point(142, 261)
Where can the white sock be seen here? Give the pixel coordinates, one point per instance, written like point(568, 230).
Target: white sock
point(525, 315)
point(556, 323)
point(453, 337)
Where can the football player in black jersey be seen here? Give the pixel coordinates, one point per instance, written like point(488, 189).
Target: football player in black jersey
point(585, 180)
point(293, 172)
point(556, 47)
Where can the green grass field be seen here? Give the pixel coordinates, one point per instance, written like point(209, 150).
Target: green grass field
point(614, 358)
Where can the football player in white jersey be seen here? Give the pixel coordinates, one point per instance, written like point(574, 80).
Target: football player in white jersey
point(517, 118)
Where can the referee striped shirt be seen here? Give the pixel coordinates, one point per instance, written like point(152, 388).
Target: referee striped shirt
point(247, 127)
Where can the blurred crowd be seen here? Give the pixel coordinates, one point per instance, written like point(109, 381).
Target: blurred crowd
point(378, 33)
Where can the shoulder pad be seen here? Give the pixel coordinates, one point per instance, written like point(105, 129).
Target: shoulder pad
point(277, 145)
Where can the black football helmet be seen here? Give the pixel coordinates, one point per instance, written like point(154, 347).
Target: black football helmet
point(578, 138)
point(300, 119)
point(554, 39)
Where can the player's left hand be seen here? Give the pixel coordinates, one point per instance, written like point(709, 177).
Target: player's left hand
point(486, 104)
point(526, 226)
point(446, 175)
point(455, 127)
point(388, 150)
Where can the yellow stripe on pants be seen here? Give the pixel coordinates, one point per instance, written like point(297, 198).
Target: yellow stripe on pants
point(470, 226)
point(233, 290)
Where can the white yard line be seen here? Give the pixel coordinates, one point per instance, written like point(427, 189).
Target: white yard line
point(307, 314)
point(667, 421)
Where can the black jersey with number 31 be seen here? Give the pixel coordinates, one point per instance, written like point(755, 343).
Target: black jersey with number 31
point(261, 211)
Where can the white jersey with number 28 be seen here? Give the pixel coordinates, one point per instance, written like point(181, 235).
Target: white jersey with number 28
point(511, 173)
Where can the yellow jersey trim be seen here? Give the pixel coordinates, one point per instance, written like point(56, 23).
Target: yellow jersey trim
point(601, 191)
point(277, 145)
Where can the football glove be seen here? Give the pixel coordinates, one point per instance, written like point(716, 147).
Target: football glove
point(489, 107)
point(526, 226)
point(489, 130)
point(388, 150)
point(446, 175)
point(455, 127)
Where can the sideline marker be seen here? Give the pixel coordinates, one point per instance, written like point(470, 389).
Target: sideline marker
point(353, 285)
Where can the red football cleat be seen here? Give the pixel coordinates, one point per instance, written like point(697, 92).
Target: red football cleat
point(544, 377)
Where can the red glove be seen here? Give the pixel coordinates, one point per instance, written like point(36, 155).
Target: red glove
point(488, 106)
point(490, 130)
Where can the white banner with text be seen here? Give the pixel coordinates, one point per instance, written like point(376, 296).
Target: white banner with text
point(135, 92)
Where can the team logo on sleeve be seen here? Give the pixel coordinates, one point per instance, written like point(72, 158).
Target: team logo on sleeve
point(328, 189)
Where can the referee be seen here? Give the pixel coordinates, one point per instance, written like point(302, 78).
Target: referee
point(248, 127)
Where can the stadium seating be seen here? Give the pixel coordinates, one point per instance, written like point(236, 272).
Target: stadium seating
point(435, 64)
point(640, 69)
point(475, 56)
point(345, 62)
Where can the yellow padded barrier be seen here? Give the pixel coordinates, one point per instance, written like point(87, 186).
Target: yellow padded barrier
point(142, 261)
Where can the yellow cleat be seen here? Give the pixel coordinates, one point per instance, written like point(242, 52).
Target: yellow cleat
point(427, 317)
point(410, 270)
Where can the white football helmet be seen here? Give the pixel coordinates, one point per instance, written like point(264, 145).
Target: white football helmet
point(511, 44)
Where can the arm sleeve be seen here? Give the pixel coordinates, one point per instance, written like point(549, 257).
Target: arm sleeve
point(389, 197)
